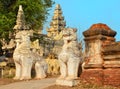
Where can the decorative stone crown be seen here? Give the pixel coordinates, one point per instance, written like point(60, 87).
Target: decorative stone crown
point(99, 29)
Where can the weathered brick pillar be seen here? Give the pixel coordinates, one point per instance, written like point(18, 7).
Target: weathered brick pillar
point(111, 56)
point(96, 37)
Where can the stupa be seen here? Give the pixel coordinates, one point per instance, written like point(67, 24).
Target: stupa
point(102, 64)
point(20, 22)
point(20, 25)
point(57, 24)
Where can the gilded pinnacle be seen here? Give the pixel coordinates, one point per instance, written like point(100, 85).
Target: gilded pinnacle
point(57, 24)
point(58, 6)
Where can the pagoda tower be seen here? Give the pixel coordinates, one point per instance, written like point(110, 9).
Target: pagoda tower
point(57, 24)
point(20, 22)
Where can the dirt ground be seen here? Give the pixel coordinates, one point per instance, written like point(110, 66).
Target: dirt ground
point(80, 86)
point(4, 81)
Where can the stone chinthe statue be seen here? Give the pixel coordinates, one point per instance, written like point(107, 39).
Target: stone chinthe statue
point(69, 58)
point(24, 58)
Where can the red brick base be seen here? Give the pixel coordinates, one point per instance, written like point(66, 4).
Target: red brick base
point(94, 76)
point(112, 77)
point(102, 76)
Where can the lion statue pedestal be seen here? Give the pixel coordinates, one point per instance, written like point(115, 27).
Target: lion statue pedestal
point(69, 58)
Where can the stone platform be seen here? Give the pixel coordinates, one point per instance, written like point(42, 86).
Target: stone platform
point(70, 83)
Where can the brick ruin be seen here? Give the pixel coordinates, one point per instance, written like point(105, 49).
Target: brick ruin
point(102, 65)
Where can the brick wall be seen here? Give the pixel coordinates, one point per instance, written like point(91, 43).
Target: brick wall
point(94, 76)
point(102, 76)
point(112, 77)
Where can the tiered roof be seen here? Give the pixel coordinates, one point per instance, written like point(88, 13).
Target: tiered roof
point(57, 24)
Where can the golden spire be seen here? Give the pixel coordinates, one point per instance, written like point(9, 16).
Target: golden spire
point(57, 24)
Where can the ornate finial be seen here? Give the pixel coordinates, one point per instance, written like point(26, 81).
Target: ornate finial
point(57, 10)
point(58, 6)
point(20, 22)
point(20, 8)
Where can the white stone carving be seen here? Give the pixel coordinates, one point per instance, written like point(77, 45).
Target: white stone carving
point(24, 58)
point(69, 57)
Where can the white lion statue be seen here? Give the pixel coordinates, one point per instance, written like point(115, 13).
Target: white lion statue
point(69, 57)
point(24, 58)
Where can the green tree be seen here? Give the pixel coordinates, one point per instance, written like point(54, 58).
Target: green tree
point(36, 12)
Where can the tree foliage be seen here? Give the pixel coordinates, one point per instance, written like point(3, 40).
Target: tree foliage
point(36, 12)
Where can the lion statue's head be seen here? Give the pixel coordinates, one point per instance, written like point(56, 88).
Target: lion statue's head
point(23, 36)
point(69, 34)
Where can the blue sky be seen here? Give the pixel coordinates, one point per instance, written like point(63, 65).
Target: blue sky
point(81, 14)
